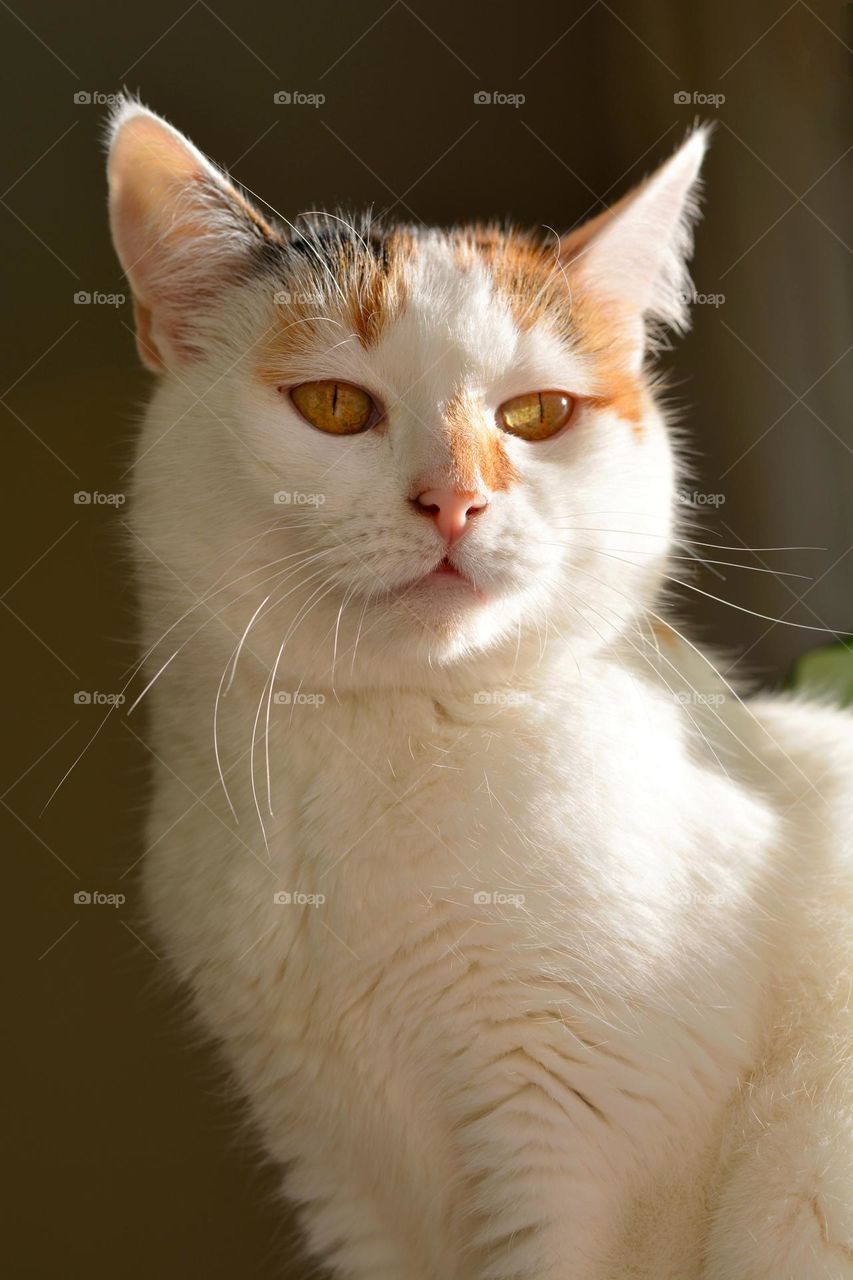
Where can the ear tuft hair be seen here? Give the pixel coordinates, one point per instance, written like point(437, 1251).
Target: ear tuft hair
point(182, 230)
point(636, 253)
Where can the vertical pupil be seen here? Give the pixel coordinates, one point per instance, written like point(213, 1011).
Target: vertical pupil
point(335, 398)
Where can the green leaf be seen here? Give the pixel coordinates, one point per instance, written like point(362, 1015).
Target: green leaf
point(826, 673)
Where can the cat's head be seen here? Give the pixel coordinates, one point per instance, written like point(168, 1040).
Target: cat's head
point(459, 425)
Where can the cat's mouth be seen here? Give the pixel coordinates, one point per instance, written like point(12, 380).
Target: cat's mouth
point(443, 570)
point(445, 575)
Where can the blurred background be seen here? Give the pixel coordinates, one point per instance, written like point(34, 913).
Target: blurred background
point(130, 1157)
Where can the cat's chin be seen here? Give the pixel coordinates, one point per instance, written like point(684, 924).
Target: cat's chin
point(440, 618)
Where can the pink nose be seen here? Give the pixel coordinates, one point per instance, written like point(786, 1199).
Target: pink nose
point(450, 509)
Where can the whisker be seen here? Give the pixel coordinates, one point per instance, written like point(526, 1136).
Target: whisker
point(731, 690)
point(731, 564)
point(753, 718)
point(646, 533)
point(214, 614)
point(302, 613)
point(781, 622)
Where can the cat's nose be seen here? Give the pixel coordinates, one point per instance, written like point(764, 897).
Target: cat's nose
point(451, 509)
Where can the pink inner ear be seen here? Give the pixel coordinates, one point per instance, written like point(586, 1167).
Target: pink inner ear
point(177, 225)
point(149, 167)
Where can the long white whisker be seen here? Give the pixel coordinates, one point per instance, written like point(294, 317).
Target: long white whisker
point(349, 595)
point(732, 691)
point(731, 564)
point(300, 616)
point(670, 664)
point(232, 663)
point(668, 537)
point(358, 633)
point(213, 616)
point(741, 703)
point(780, 622)
point(240, 643)
point(252, 766)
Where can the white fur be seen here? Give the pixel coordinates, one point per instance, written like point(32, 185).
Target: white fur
point(637, 1068)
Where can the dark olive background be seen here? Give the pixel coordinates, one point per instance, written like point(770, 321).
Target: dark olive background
point(129, 1157)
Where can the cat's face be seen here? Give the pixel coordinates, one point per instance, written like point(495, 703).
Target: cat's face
point(457, 424)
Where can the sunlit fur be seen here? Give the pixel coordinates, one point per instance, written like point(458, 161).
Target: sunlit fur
point(574, 1003)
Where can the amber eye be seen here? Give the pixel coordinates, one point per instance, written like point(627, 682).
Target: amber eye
point(536, 415)
point(336, 407)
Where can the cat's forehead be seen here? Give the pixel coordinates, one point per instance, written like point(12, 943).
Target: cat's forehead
point(453, 312)
point(472, 301)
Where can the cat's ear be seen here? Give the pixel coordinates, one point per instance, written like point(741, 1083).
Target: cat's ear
point(181, 230)
point(635, 253)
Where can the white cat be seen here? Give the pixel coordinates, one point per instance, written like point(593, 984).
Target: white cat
point(528, 941)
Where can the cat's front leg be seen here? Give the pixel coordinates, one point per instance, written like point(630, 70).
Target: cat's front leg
point(543, 1180)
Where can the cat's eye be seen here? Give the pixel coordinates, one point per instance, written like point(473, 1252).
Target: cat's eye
point(536, 415)
point(336, 407)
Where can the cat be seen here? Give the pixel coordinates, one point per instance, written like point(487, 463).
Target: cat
point(526, 937)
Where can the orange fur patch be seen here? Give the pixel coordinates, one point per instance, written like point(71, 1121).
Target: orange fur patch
point(526, 273)
point(477, 451)
point(600, 334)
point(540, 285)
point(374, 294)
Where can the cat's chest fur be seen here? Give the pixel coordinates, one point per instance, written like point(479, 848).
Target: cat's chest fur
point(566, 849)
point(470, 902)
